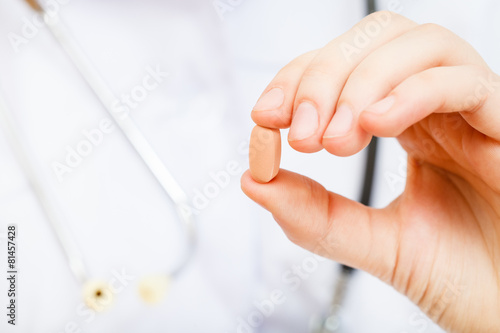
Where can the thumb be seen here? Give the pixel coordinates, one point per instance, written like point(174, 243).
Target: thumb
point(329, 224)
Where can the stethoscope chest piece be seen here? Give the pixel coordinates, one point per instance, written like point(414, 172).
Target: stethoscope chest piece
point(97, 295)
point(153, 288)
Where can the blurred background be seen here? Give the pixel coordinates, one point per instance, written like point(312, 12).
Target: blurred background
point(204, 64)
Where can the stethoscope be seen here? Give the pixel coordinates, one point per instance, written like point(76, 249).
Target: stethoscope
point(97, 294)
point(331, 322)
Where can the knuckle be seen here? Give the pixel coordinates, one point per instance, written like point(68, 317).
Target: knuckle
point(299, 62)
point(317, 72)
point(385, 17)
point(435, 30)
point(425, 78)
point(381, 14)
point(293, 70)
point(366, 76)
point(367, 71)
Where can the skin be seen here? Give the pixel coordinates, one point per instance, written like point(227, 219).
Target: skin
point(439, 242)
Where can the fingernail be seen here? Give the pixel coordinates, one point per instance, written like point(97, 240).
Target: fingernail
point(304, 123)
point(341, 122)
point(382, 106)
point(272, 100)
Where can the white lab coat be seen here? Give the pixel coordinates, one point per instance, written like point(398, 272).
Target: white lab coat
point(218, 60)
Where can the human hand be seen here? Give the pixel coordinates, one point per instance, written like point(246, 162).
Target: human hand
point(439, 242)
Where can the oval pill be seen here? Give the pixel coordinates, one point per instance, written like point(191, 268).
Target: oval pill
point(264, 153)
